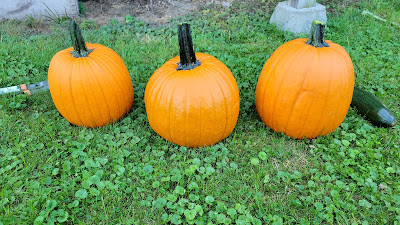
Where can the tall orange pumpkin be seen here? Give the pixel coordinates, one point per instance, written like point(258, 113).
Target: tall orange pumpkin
point(305, 87)
point(193, 99)
point(89, 83)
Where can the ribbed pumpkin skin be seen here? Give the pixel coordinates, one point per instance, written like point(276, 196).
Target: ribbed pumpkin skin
point(90, 91)
point(304, 91)
point(193, 108)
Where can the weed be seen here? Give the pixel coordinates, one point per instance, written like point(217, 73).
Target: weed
point(88, 24)
point(55, 16)
point(82, 8)
point(33, 22)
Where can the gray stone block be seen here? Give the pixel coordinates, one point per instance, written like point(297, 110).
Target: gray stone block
point(297, 20)
point(19, 9)
point(299, 4)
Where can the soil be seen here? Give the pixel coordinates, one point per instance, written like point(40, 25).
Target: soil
point(158, 12)
point(149, 11)
point(162, 11)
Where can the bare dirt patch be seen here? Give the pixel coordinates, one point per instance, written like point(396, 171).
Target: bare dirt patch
point(155, 11)
point(162, 11)
point(159, 12)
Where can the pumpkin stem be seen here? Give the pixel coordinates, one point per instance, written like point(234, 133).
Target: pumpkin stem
point(317, 35)
point(80, 49)
point(187, 55)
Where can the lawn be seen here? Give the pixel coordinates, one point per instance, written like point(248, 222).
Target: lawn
point(124, 173)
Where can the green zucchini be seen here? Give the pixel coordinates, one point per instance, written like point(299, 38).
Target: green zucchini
point(372, 109)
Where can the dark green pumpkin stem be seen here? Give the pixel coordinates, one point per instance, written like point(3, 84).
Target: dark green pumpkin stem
point(317, 35)
point(80, 49)
point(186, 50)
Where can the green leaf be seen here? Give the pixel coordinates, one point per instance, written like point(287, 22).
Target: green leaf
point(210, 170)
point(209, 199)
point(258, 196)
point(135, 140)
point(81, 193)
point(221, 218)
point(220, 207)
point(145, 203)
point(364, 203)
point(160, 202)
point(335, 194)
point(262, 155)
point(50, 205)
point(86, 183)
point(148, 169)
point(193, 185)
point(277, 220)
point(196, 161)
point(191, 170)
point(256, 221)
point(120, 170)
point(242, 220)
point(304, 222)
point(179, 190)
point(80, 146)
point(180, 210)
point(176, 219)
point(390, 170)
point(94, 191)
point(190, 214)
point(55, 171)
point(165, 179)
point(198, 209)
point(73, 204)
point(75, 154)
point(62, 216)
point(254, 161)
point(193, 197)
point(100, 185)
point(340, 184)
point(155, 184)
point(67, 166)
point(240, 208)
point(38, 220)
point(231, 212)
point(95, 179)
point(397, 199)
point(319, 206)
point(346, 143)
point(266, 179)
point(172, 198)
point(102, 161)
point(165, 217)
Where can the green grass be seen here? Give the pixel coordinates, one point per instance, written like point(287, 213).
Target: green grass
point(124, 173)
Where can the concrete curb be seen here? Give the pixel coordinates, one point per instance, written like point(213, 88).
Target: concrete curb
point(43, 9)
point(297, 20)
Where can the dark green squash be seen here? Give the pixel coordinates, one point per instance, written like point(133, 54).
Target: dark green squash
point(372, 109)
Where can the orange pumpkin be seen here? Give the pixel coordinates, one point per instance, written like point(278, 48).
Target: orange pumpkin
point(89, 83)
point(305, 87)
point(193, 99)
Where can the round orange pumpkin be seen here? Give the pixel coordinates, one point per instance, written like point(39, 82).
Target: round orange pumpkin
point(89, 83)
point(193, 99)
point(305, 87)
